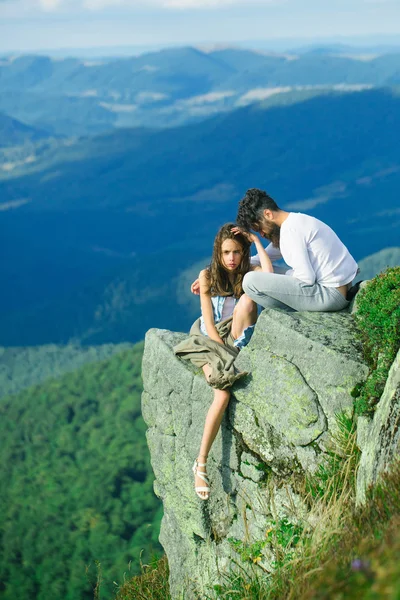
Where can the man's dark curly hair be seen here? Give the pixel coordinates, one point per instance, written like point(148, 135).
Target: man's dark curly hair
point(251, 208)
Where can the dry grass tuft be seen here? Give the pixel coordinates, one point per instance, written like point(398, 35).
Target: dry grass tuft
point(152, 584)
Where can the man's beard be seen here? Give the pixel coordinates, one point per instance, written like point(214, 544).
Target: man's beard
point(272, 232)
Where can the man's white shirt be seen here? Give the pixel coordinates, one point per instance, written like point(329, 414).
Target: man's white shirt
point(313, 252)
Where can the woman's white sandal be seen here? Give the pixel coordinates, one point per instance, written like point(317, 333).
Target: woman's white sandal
point(198, 489)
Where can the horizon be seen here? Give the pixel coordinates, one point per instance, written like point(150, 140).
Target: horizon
point(53, 26)
point(374, 43)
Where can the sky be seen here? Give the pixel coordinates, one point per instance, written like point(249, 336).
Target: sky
point(39, 25)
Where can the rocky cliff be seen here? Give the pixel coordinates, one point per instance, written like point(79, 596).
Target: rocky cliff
point(379, 438)
point(277, 430)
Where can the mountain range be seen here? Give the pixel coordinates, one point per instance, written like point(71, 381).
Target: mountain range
point(99, 234)
point(173, 86)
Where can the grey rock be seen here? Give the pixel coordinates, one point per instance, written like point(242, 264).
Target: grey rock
point(323, 348)
point(354, 303)
point(252, 468)
point(380, 439)
point(363, 431)
point(276, 430)
point(284, 399)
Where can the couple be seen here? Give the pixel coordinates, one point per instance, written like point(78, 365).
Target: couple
point(320, 275)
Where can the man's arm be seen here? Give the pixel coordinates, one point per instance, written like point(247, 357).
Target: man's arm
point(273, 253)
point(297, 257)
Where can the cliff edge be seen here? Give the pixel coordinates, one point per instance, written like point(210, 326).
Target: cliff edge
point(278, 428)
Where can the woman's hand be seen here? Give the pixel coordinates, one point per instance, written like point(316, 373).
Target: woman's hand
point(195, 287)
point(216, 338)
point(251, 237)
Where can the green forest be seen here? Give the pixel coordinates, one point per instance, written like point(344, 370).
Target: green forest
point(76, 487)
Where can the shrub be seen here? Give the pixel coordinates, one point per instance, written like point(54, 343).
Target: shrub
point(378, 325)
point(152, 584)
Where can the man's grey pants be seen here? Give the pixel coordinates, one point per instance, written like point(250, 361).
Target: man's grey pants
point(271, 290)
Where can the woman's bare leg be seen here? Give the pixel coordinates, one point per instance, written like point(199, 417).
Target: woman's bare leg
point(211, 426)
point(244, 315)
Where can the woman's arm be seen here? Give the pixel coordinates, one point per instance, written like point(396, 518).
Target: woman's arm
point(206, 307)
point(266, 264)
point(265, 261)
point(195, 287)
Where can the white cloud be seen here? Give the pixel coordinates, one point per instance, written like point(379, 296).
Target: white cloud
point(210, 98)
point(85, 94)
point(149, 69)
point(150, 97)
point(259, 94)
point(119, 108)
point(52, 5)
point(207, 3)
point(99, 4)
point(49, 5)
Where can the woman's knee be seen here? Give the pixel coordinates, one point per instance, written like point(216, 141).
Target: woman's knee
point(221, 398)
point(245, 306)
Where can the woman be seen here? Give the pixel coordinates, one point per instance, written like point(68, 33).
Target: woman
point(218, 335)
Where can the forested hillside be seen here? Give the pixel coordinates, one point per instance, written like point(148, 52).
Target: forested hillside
point(26, 366)
point(75, 483)
point(109, 226)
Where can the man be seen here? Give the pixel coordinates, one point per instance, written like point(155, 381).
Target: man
point(321, 267)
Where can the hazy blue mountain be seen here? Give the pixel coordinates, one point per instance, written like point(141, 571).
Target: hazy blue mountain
point(336, 49)
point(66, 115)
point(177, 71)
point(317, 69)
point(374, 264)
point(373, 44)
point(349, 49)
point(81, 97)
point(110, 224)
point(241, 60)
point(170, 87)
point(14, 133)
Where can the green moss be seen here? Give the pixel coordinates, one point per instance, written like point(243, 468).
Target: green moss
point(263, 467)
point(378, 329)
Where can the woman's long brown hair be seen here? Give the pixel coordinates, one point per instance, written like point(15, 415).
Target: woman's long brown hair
point(220, 284)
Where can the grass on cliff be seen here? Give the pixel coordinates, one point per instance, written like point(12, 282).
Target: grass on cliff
point(152, 584)
point(351, 553)
point(378, 326)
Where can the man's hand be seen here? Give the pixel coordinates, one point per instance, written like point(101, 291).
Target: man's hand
point(251, 237)
point(195, 287)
